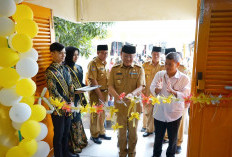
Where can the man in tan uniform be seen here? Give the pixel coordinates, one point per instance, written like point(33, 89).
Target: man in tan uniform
point(129, 78)
point(180, 135)
point(150, 68)
point(97, 76)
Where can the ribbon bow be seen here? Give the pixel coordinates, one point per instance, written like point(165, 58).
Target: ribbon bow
point(57, 103)
point(99, 109)
point(112, 111)
point(66, 107)
point(116, 126)
point(155, 100)
point(84, 109)
point(145, 100)
point(134, 115)
point(168, 100)
point(122, 95)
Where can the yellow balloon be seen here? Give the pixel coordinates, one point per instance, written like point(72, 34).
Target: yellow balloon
point(8, 57)
point(15, 151)
point(23, 12)
point(38, 113)
point(27, 26)
point(28, 100)
point(30, 129)
point(25, 87)
point(29, 146)
point(8, 77)
point(3, 42)
point(21, 42)
point(8, 135)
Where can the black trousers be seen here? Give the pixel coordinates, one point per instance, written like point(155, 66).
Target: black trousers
point(61, 126)
point(160, 128)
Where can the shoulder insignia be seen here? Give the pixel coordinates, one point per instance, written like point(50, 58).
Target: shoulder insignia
point(116, 65)
point(138, 65)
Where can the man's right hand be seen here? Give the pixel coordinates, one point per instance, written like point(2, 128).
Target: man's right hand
point(159, 84)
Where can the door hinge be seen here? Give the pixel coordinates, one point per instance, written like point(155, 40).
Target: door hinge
point(202, 9)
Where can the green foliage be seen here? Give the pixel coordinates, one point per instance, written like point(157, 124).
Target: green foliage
point(80, 35)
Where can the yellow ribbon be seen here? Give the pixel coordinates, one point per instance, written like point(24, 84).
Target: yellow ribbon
point(112, 111)
point(92, 109)
point(167, 100)
point(84, 109)
point(155, 100)
point(132, 104)
point(57, 103)
point(116, 126)
point(134, 115)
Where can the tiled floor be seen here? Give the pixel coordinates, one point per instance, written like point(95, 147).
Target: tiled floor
point(109, 148)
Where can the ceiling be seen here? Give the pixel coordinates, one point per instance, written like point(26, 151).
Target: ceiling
point(121, 10)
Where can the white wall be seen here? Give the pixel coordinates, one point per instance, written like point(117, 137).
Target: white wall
point(66, 9)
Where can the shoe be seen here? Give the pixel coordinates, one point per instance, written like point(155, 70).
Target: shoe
point(165, 141)
point(96, 140)
point(72, 155)
point(178, 149)
point(104, 137)
point(147, 134)
point(143, 129)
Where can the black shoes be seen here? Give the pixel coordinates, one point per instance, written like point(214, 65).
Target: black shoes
point(143, 129)
point(147, 134)
point(72, 155)
point(165, 141)
point(104, 137)
point(178, 149)
point(96, 140)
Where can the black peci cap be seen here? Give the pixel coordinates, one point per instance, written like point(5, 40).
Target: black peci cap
point(129, 49)
point(167, 51)
point(156, 49)
point(102, 47)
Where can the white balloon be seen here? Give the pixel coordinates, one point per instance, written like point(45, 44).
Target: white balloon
point(7, 8)
point(9, 97)
point(17, 126)
point(7, 26)
point(27, 67)
point(20, 112)
point(18, 1)
point(43, 149)
point(43, 132)
point(32, 53)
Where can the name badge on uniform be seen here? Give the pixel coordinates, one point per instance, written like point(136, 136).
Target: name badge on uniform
point(133, 73)
point(118, 73)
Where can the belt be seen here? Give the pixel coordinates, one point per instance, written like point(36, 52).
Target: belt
point(104, 90)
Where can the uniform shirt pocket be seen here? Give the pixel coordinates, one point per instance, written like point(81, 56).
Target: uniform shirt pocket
point(118, 79)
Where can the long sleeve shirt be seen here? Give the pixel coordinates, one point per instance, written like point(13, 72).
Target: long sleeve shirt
point(181, 84)
point(60, 85)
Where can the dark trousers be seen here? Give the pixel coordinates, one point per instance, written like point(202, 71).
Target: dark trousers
point(61, 126)
point(172, 129)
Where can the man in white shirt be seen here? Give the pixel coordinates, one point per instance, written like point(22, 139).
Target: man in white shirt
point(168, 116)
